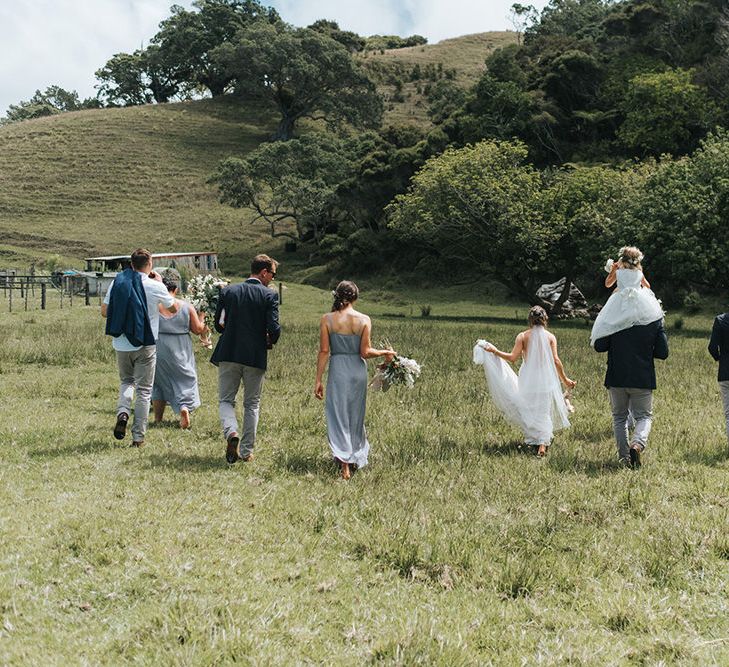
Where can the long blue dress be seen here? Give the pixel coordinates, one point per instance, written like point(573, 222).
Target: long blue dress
point(346, 399)
point(175, 378)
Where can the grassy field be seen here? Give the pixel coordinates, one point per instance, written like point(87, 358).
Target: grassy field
point(453, 547)
point(104, 181)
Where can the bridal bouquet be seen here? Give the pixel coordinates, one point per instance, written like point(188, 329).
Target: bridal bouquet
point(203, 293)
point(401, 371)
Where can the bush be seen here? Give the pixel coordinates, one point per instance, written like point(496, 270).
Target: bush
point(692, 302)
point(425, 311)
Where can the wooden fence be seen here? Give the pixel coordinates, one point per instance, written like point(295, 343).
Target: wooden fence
point(30, 292)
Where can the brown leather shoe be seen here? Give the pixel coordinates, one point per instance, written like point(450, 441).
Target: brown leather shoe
point(231, 451)
point(137, 443)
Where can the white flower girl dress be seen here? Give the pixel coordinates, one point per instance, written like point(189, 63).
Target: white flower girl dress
point(629, 305)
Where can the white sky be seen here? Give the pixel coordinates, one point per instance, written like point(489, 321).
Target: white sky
point(63, 42)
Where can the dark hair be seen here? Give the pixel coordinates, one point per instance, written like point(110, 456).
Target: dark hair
point(261, 262)
point(170, 284)
point(538, 317)
point(140, 258)
point(345, 293)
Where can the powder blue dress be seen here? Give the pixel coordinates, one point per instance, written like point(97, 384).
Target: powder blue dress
point(346, 399)
point(175, 378)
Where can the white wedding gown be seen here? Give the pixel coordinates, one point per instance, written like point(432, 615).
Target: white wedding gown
point(532, 400)
point(629, 305)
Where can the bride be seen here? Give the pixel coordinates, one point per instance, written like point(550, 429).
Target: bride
point(533, 400)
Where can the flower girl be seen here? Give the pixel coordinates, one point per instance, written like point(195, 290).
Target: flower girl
point(632, 303)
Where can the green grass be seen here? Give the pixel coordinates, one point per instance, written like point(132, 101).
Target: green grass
point(453, 547)
point(465, 54)
point(105, 181)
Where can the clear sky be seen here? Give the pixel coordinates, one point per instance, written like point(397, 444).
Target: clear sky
point(63, 42)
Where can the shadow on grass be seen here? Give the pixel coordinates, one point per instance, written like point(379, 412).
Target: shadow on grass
point(186, 463)
point(301, 463)
point(94, 446)
point(167, 424)
point(714, 458)
point(508, 448)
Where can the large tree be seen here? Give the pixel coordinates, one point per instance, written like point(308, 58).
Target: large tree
point(665, 113)
point(142, 77)
point(305, 73)
point(292, 186)
point(478, 209)
point(52, 100)
point(188, 39)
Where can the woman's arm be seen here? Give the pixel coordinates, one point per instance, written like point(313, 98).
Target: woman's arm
point(612, 277)
point(366, 351)
point(644, 282)
point(197, 322)
point(322, 359)
point(558, 363)
point(509, 356)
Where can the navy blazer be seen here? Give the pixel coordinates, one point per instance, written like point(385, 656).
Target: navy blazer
point(127, 310)
point(719, 345)
point(251, 320)
point(631, 353)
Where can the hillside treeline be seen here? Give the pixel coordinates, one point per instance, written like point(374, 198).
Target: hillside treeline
point(600, 127)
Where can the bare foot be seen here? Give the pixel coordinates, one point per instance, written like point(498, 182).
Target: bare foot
point(346, 472)
point(542, 451)
point(184, 418)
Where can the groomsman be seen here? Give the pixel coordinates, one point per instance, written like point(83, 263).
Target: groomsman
point(719, 349)
point(131, 309)
point(247, 318)
point(631, 380)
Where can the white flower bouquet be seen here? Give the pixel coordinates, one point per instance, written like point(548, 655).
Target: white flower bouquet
point(401, 371)
point(203, 293)
point(609, 265)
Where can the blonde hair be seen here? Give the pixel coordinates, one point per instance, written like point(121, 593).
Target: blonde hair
point(538, 317)
point(630, 257)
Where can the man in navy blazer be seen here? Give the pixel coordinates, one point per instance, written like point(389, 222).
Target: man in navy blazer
point(247, 318)
point(631, 379)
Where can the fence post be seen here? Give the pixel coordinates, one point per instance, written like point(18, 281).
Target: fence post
point(280, 293)
point(87, 294)
point(21, 288)
point(10, 299)
point(69, 285)
point(43, 296)
point(26, 298)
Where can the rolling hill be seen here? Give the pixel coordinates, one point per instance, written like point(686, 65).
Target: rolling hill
point(105, 180)
point(464, 55)
point(102, 181)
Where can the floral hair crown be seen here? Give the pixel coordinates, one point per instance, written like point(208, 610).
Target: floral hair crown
point(634, 261)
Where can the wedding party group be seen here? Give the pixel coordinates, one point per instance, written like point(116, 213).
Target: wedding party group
point(150, 328)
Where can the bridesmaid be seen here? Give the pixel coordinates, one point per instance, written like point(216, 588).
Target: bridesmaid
point(344, 333)
point(175, 378)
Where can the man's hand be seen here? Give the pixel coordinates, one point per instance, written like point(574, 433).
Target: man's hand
point(319, 390)
point(155, 276)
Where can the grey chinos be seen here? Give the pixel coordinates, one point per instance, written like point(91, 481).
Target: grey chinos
point(136, 372)
point(230, 377)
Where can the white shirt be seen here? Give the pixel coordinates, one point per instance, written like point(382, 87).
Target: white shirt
point(156, 293)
